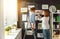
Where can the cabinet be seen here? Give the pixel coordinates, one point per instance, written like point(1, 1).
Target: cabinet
point(39, 30)
point(17, 34)
point(55, 25)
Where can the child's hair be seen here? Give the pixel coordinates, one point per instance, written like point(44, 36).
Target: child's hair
point(33, 8)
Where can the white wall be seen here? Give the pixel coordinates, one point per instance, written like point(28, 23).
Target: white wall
point(10, 11)
point(8, 8)
point(1, 20)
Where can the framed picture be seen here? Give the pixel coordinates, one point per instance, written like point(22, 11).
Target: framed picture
point(44, 6)
point(24, 17)
point(24, 9)
point(39, 25)
point(27, 25)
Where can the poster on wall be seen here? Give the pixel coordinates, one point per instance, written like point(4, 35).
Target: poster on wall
point(24, 17)
point(27, 25)
point(24, 9)
point(44, 6)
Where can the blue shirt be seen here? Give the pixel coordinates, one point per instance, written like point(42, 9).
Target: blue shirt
point(32, 18)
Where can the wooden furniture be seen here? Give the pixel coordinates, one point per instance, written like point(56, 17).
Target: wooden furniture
point(55, 24)
point(39, 30)
point(16, 34)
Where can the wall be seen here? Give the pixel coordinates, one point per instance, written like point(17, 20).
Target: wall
point(1, 20)
point(10, 12)
point(7, 8)
point(20, 4)
point(45, 1)
point(38, 4)
point(19, 14)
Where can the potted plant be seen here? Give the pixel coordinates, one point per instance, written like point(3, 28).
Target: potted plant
point(14, 26)
point(7, 30)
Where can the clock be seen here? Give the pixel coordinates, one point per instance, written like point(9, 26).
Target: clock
point(52, 9)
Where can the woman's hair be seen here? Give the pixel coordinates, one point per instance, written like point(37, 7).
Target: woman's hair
point(47, 12)
point(33, 8)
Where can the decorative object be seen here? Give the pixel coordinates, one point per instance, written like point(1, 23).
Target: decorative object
point(7, 30)
point(52, 9)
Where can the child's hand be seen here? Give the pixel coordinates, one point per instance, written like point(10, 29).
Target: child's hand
point(33, 27)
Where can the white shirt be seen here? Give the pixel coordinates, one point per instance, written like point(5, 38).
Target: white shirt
point(45, 22)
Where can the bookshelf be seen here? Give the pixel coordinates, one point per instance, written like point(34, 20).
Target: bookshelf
point(39, 30)
point(55, 25)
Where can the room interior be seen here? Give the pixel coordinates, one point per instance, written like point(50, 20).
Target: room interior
point(13, 14)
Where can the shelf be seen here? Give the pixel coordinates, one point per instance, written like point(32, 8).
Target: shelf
point(56, 29)
point(39, 31)
point(57, 21)
point(40, 38)
point(56, 13)
point(56, 24)
point(56, 37)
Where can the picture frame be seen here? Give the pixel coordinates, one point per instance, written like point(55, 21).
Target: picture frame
point(45, 6)
point(27, 25)
point(24, 17)
point(24, 9)
point(39, 25)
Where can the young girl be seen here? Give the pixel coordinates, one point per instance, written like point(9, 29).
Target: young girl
point(32, 17)
point(45, 25)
